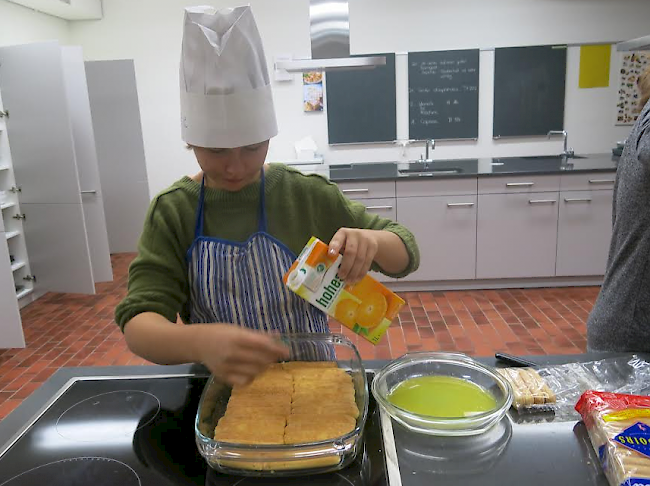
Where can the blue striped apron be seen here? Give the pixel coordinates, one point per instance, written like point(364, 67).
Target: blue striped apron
point(241, 283)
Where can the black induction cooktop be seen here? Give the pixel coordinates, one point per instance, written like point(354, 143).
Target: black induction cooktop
point(140, 432)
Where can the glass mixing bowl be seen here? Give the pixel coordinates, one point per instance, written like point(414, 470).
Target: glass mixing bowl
point(455, 365)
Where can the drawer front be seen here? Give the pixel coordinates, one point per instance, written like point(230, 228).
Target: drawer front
point(517, 184)
point(445, 228)
point(367, 190)
point(384, 207)
point(441, 187)
point(516, 235)
point(594, 181)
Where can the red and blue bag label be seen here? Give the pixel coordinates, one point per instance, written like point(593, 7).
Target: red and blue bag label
point(636, 438)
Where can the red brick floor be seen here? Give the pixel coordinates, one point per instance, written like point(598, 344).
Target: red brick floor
point(78, 330)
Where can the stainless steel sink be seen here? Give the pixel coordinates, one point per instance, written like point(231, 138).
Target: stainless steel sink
point(428, 168)
point(430, 171)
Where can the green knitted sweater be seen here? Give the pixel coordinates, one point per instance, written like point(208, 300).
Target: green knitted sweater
point(298, 206)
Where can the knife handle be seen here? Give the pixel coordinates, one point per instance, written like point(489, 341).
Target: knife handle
point(514, 360)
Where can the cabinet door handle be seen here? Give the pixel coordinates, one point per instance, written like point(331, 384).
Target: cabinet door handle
point(577, 199)
point(542, 201)
point(460, 205)
point(601, 181)
point(519, 184)
point(354, 191)
point(92, 191)
point(379, 207)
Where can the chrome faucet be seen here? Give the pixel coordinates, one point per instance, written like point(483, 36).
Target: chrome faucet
point(431, 145)
point(567, 151)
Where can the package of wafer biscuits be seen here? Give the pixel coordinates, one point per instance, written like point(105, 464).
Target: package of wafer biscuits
point(619, 429)
point(530, 390)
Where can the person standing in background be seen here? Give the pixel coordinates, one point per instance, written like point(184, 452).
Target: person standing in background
point(620, 320)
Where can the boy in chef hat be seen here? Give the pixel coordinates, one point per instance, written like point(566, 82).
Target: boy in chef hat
point(215, 246)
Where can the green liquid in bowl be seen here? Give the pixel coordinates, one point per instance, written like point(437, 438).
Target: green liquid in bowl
point(441, 396)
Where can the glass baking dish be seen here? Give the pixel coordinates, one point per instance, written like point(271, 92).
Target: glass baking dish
point(442, 364)
point(286, 460)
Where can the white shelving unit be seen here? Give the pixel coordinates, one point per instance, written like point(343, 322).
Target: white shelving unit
point(17, 266)
point(24, 293)
point(14, 266)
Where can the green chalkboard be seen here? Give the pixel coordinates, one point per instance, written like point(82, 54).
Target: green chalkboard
point(361, 104)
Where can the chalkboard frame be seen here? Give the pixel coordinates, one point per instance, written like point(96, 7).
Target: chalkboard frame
point(469, 89)
point(349, 106)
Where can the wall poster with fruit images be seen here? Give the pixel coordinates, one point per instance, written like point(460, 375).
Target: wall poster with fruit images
point(312, 91)
point(633, 64)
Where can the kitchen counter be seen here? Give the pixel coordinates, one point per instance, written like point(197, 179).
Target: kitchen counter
point(535, 450)
point(459, 168)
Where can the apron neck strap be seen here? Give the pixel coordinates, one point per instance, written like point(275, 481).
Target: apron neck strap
point(198, 227)
point(261, 225)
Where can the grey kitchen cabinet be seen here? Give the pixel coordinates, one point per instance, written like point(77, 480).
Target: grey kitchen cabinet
point(445, 229)
point(117, 125)
point(436, 187)
point(519, 184)
point(516, 235)
point(384, 207)
point(86, 155)
point(55, 166)
point(584, 232)
point(33, 81)
point(591, 181)
point(367, 190)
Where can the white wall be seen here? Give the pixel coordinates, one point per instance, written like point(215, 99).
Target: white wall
point(149, 31)
point(20, 25)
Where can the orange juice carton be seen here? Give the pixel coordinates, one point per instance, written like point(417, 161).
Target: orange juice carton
point(367, 308)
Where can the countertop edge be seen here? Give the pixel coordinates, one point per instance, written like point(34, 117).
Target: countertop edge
point(471, 176)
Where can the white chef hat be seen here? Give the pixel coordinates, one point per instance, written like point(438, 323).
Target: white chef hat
point(226, 98)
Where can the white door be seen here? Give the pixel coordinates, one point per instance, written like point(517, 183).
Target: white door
point(11, 327)
point(584, 232)
point(516, 235)
point(86, 154)
point(43, 153)
point(445, 229)
point(120, 150)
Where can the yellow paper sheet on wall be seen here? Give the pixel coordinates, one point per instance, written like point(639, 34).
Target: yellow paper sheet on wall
point(594, 66)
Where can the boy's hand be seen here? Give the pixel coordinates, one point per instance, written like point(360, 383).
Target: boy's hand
point(236, 355)
point(359, 248)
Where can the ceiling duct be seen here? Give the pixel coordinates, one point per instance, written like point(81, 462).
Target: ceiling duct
point(639, 44)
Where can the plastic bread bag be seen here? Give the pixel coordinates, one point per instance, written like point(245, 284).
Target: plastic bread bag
point(559, 387)
point(619, 430)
